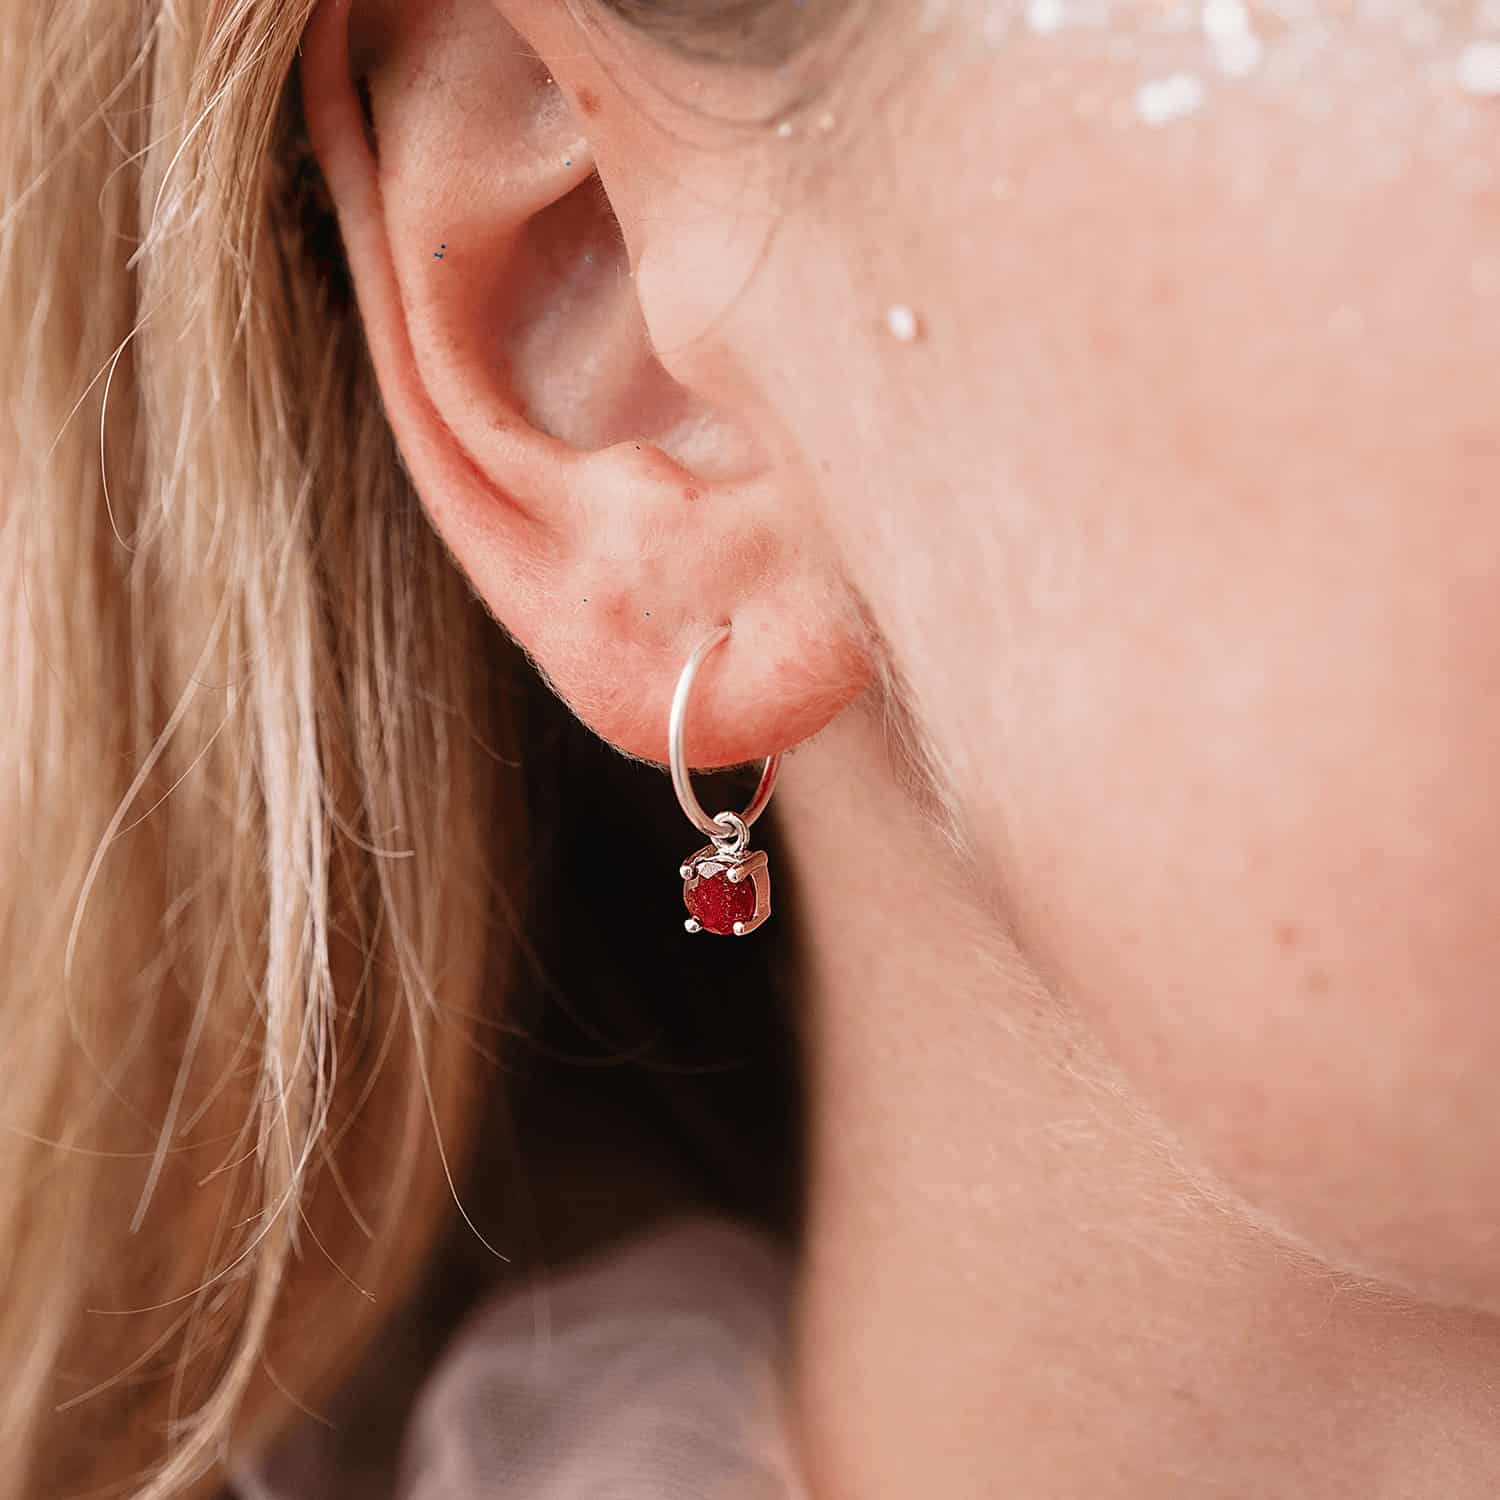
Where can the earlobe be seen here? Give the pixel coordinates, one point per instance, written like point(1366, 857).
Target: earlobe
point(607, 514)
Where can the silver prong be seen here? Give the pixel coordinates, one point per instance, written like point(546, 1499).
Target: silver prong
point(686, 871)
point(739, 929)
point(693, 925)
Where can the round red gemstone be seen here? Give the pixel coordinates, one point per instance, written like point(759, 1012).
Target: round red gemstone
point(717, 904)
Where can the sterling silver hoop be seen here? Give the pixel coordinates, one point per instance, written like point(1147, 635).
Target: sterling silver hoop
point(726, 885)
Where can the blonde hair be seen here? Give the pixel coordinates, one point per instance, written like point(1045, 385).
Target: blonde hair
point(252, 770)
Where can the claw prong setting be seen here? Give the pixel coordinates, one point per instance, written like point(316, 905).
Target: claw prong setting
point(711, 906)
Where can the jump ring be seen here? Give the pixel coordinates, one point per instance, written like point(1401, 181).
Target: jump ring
point(733, 837)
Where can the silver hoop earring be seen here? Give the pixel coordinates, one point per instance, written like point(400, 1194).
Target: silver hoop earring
point(726, 886)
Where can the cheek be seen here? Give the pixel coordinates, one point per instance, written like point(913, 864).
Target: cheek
point(1253, 763)
point(1257, 843)
point(1222, 514)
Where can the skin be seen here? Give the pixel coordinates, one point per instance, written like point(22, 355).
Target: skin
point(1154, 1040)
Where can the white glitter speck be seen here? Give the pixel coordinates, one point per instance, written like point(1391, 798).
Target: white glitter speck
point(1225, 18)
point(784, 129)
point(1234, 47)
point(1045, 16)
point(902, 322)
point(1479, 70)
point(1238, 56)
point(1163, 100)
point(1049, 16)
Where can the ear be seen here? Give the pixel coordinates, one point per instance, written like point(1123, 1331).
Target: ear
point(608, 513)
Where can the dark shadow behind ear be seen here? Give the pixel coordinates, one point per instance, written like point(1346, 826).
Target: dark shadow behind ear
point(625, 1100)
point(608, 515)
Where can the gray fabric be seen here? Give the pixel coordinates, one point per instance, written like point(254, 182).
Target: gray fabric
point(653, 1372)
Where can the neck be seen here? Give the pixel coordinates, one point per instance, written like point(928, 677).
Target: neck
point(1013, 1283)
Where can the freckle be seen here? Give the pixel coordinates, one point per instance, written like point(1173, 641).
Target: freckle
point(1287, 935)
point(588, 101)
point(690, 493)
point(1103, 340)
point(1317, 982)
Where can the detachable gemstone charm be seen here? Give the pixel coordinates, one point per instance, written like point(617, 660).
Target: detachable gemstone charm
point(726, 893)
point(725, 885)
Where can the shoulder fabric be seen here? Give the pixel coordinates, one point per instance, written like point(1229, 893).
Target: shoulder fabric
point(654, 1372)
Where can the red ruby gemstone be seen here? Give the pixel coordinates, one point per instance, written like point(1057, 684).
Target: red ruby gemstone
point(717, 904)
